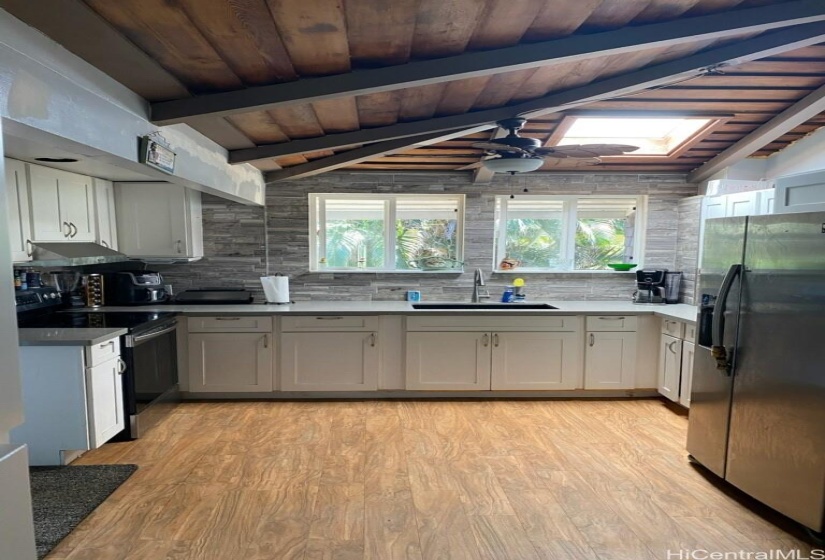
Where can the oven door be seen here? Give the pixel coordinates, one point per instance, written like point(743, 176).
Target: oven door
point(151, 377)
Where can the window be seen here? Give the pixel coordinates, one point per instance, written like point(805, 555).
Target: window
point(375, 233)
point(655, 136)
point(567, 233)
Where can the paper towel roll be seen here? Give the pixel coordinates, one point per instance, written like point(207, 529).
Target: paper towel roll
point(276, 288)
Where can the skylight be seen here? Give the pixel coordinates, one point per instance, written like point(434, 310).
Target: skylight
point(654, 136)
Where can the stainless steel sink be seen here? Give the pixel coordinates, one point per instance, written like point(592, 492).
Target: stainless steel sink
point(508, 306)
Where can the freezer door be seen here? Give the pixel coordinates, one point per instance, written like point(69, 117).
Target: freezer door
point(723, 251)
point(776, 451)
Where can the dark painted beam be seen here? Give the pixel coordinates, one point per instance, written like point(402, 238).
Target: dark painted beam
point(482, 63)
point(762, 46)
point(336, 161)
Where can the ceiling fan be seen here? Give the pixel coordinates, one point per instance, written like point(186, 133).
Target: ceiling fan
point(515, 154)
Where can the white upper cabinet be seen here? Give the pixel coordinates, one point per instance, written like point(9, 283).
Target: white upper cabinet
point(159, 220)
point(106, 230)
point(17, 193)
point(62, 205)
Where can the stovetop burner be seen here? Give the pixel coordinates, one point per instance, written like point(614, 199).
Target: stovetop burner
point(94, 319)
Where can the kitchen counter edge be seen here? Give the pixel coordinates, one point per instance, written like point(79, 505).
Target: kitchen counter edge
point(66, 336)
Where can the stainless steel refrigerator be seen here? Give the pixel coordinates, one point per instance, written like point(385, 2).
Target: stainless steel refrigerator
point(757, 415)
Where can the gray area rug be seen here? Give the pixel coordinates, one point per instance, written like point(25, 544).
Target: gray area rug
point(63, 496)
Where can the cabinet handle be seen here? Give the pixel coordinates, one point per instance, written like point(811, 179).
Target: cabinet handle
point(328, 318)
point(611, 318)
point(121, 366)
point(485, 340)
point(592, 339)
point(495, 340)
point(29, 248)
point(670, 346)
point(66, 224)
point(178, 244)
point(372, 340)
point(266, 341)
point(227, 318)
point(103, 242)
point(74, 230)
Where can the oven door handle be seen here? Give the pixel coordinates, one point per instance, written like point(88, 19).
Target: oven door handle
point(132, 341)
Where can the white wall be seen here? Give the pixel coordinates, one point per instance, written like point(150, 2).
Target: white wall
point(803, 156)
point(52, 96)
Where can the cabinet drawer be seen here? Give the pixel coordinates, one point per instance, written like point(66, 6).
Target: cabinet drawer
point(673, 328)
point(102, 352)
point(329, 323)
point(611, 323)
point(501, 323)
point(230, 324)
point(690, 332)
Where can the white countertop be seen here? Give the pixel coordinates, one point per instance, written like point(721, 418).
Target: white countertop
point(66, 336)
point(679, 311)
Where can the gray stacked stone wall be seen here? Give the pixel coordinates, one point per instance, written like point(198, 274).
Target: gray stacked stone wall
point(239, 248)
point(687, 243)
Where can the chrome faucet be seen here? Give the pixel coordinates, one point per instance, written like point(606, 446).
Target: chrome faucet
point(478, 281)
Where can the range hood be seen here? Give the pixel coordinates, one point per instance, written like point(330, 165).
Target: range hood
point(57, 254)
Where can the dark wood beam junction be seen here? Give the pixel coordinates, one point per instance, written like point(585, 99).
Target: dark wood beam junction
point(483, 63)
point(765, 45)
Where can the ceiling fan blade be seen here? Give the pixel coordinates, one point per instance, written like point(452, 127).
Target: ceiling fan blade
point(475, 165)
point(589, 150)
point(495, 146)
point(550, 153)
point(572, 162)
point(609, 149)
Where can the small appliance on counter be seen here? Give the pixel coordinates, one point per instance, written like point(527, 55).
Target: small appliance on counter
point(673, 281)
point(93, 290)
point(133, 287)
point(650, 286)
point(214, 296)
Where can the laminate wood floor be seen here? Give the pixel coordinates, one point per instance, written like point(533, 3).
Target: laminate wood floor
point(498, 480)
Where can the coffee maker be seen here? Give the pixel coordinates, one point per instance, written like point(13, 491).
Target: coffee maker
point(650, 286)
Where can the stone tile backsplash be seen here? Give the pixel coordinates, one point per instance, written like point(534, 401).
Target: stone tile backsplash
point(242, 243)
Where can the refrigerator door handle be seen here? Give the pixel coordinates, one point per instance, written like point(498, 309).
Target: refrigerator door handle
point(717, 349)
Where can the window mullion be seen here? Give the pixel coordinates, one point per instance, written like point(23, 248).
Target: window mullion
point(501, 249)
point(319, 228)
point(569, 235)
point(389, 234)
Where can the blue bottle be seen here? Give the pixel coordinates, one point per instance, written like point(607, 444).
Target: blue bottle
point(507, 296)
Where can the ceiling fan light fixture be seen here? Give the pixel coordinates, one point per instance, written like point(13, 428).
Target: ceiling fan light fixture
point(513, 165)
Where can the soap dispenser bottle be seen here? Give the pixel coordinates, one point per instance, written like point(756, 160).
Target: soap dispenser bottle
point(518, 289)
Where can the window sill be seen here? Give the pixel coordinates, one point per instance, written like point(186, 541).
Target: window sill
point(384, 271)
point(518, 271)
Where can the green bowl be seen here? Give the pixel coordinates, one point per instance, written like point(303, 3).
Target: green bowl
point(622, 266)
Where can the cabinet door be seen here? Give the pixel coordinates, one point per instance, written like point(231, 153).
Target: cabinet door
point(536, 360)
point(448, 360)
point(329, 361)
point(47, 222)
point(106, 231)
point(742, 204)
point(610, 360)
point(767, 199)
point(152, 219)
point(687, 373)
point(17, 194)
point(104, 392)
point(230, 362)
point(670, 366)
point(77, 205)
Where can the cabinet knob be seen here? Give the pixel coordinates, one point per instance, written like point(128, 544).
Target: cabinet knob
point(121, 366)
point(592, 339)
point(485, 340)
point(103, 242)
point(29, 248)
point(178, 244)
point(372, 340)
point(74, 230)
point(495, 340)
point(266, 341)
point(68, 233)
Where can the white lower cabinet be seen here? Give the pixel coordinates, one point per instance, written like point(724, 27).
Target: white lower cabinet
point(687, 373)
point(72, 400)
point(610, 360)
point(536, 360)
point(104, 383)
point(670, 366)
point(504, 359)
point(230, 362)
point(676, 360)
point(329, 361)
point(449, 361)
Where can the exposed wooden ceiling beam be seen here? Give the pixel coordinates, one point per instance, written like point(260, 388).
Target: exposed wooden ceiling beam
point(343, 159)
point(762, 46)
point(795, 115)
point(482, 63)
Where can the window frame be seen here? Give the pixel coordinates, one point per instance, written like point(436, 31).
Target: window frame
point(568, 241)
point(317, 217)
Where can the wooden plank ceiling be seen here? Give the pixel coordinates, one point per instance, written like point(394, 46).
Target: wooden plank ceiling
point(224, 45)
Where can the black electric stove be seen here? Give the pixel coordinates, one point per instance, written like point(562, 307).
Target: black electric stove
point(149, 350)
